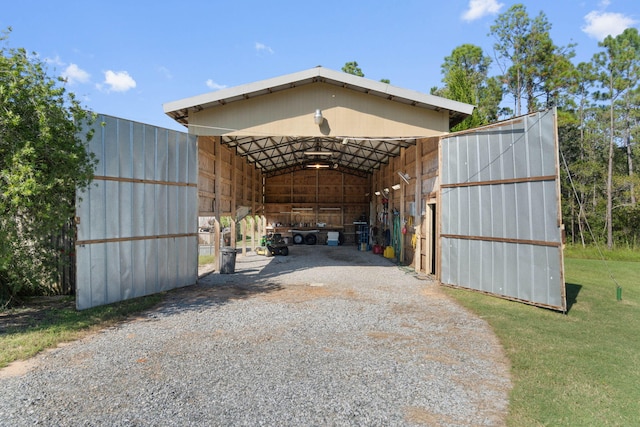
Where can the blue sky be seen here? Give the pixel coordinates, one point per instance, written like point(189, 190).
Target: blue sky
point(127, 58)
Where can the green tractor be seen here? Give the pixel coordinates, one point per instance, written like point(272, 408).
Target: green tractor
point(272, 244)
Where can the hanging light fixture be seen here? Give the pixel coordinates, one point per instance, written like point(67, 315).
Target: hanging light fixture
point(318, 153)
point(404, 176)
point(317, 117)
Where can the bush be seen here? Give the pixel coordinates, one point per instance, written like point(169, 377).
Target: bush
point(43, 161)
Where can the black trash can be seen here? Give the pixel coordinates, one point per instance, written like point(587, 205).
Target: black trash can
point(227, 260)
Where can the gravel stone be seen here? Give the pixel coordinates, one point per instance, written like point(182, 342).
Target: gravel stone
point(327, 336)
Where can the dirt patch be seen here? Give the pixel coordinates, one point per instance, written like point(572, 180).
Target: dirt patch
point(415, 415)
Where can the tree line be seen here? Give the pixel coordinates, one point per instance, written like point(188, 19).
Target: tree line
point(598, 106)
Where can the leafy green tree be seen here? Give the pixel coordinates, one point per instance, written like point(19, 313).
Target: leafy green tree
point(465, 78)
point(42, 162)
point(352, 68)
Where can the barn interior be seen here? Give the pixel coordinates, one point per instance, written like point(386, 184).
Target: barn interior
point(319, 152)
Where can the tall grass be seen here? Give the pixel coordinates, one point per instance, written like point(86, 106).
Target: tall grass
point(621, 253)
point(582, 368)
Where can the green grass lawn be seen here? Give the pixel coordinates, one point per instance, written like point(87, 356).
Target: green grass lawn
point(47, 322)
point(578, 369)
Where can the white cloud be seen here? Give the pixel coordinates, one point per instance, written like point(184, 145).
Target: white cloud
point(479, 8)
point(260, 47)
point(119, 81)
point(213, 85)
point(55, 61)
point(74, 74)
point(165, 72)
point(602, 24)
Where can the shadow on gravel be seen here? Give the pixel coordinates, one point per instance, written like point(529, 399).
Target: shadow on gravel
point(256, 274)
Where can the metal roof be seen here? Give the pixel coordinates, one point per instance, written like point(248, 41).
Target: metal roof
point(279, 154)
point(357, 156)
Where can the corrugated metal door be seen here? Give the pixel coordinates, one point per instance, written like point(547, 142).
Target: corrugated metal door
point(500, 228)
point(137, 223)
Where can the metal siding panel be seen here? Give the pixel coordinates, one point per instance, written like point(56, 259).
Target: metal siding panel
point(161, 209)
point(525, 272)
point(486, 224)
point(537, 211)
point(113, 278)
point(110, 149)
point(510, 209)
point(173, 155)
point(151, 265)
point(452, 161)
point(498, 268)
point(125, 149)
point(139, 210)
point(444, 206)
point(451, 261)
point(121, 269)
point(95, 199)
point(484, 157)
point(125, 200)
point(162, 155)
point(487, 276)
point(150, 216)
point(464, 213)
point(83, 269)
point(138, 151)
point(510, 269)
point(520, 149)
point(192, 210)
point(172, 262)
point(507, 162)
point(150, 152)
point(173, 208)
point(497, 210)
point(541, 274)
point(461, 160)
point(524, 216)
point(475, 211)
point(551, 212)
point(548, 147)
point(520, 211)
point(138, 270)
point(536, 158)
point(183, 159)
point(193, 159)
point(554, 271)
point(471, 268)
point(111, 205)
point(126, 270)
point(473, 158)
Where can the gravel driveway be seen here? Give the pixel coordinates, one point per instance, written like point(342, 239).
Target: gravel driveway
point(327, 336)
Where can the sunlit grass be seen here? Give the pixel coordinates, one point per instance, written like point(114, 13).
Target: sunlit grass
point(582, 368)
point(205, 259)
